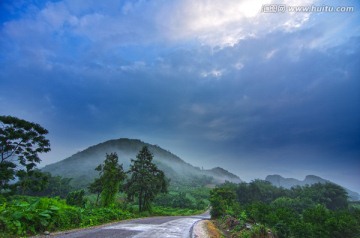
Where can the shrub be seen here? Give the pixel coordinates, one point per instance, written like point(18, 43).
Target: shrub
point(31, 215)
point(76, 198)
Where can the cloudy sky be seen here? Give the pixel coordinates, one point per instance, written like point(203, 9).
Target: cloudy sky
point(219, 83)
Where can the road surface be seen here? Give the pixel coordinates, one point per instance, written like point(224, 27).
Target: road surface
point(151, 227)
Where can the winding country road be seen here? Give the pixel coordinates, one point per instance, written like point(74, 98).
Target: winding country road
point(152, 227)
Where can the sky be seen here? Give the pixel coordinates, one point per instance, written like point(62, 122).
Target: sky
point(230, 83)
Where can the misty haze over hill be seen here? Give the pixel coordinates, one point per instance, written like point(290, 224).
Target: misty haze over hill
point(81, 166)
point(280, 181)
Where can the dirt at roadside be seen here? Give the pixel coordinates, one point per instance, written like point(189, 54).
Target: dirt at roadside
point(206, 229)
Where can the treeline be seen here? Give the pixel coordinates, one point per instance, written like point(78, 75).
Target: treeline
point(259, 209)
point(48, 185)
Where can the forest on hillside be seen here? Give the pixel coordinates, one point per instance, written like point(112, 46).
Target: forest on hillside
point(259, 209)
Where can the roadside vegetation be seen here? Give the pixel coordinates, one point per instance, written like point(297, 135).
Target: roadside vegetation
point(259, 209)
point(32, 202)
point(29, 215)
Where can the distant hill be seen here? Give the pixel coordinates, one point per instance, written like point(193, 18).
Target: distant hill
point(81, 166)
point(280, 181)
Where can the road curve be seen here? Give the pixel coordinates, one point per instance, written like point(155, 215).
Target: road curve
point(151, 227)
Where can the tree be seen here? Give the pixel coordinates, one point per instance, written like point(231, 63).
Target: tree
point(221, 199)
point(96, 187)
point(31, 181)
point(332, 195)
point(317, 217)
point(20, 143)
point(111, 176)
point(181, 201)
point(146, 180)
point(57, 186)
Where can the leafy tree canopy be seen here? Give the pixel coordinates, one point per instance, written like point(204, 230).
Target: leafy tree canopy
point(20, 144)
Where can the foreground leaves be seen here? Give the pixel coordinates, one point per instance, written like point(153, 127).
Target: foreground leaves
point(31, 215)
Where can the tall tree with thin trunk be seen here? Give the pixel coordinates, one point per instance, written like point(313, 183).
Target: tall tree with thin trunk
point(111, 176)
point(146, 180)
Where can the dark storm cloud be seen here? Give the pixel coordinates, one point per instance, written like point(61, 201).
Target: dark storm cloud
point(279, 100)
point(257, 93)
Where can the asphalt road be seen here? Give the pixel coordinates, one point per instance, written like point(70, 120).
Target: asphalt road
point(152, 227)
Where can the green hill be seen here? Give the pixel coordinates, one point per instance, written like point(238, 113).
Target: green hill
point(81, 165)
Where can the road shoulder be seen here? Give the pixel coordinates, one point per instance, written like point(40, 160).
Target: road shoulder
point(205, 229)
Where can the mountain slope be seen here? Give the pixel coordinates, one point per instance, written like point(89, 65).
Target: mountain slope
point(81, 166)
point(280, 181)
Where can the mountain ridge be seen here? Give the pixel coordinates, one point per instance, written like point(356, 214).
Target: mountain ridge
point(81, 165)
point(279, 181)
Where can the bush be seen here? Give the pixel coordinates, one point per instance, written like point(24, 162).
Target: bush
point(26, 215)
point(76, 198)
point(97, 216)
point(31, 215)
